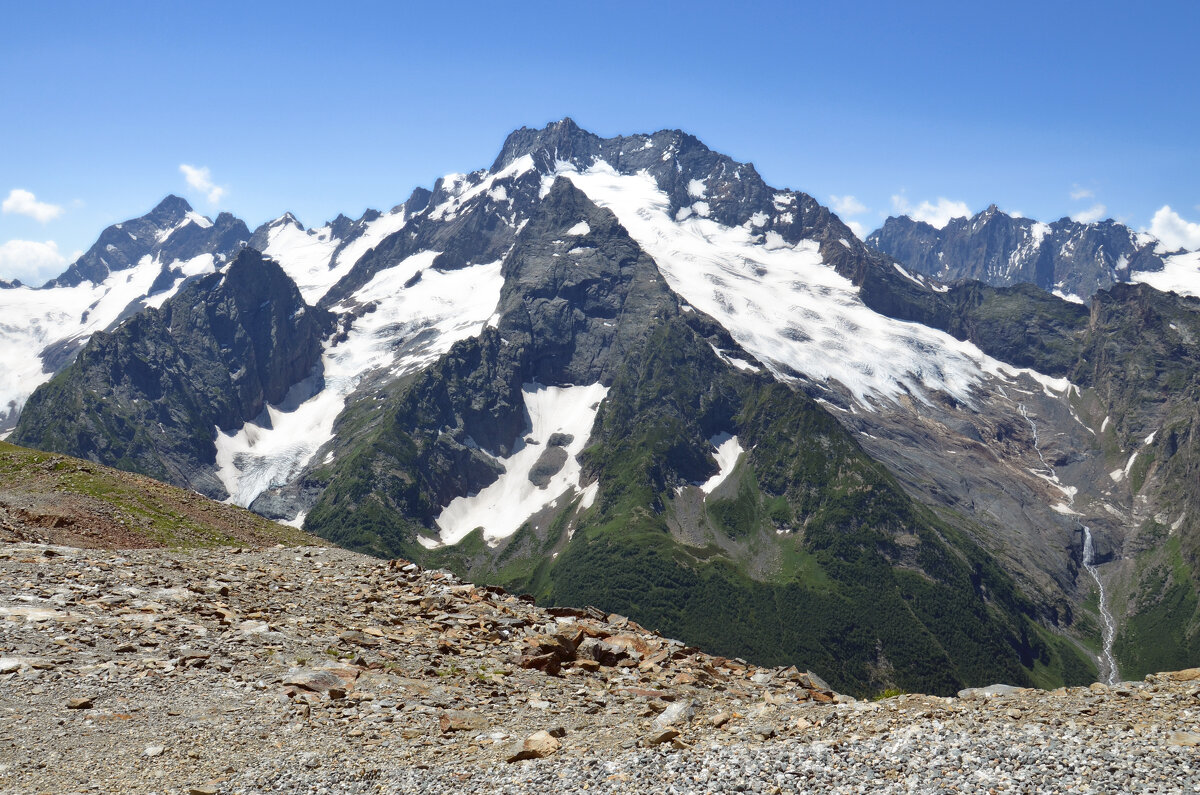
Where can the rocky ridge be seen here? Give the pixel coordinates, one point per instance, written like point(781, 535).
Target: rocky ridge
point(1002, 250)
point(315, 669)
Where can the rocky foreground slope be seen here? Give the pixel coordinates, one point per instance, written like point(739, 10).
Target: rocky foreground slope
point(308, 669)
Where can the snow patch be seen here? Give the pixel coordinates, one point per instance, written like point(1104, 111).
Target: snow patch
point(907, 275)
point(728, 451)
point(198, 219)
point(1180, 274)
point(502, 507)
point(580, 228)
point(740, 364)
point(1072, 297)
point(587, 497)
point(697, 189)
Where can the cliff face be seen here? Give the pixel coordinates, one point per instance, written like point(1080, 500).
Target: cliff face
point(1001, 250)
point(150, 396)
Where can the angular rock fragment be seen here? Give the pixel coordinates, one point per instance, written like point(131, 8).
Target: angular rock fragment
point(538, 745)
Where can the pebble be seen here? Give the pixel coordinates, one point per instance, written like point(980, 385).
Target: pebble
point(315, 670)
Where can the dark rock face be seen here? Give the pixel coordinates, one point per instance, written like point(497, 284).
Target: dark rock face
point(1001, 250)
point(147, 397)
point(563, 294)
point(123, 245)
point(549, 464)
point(558, 310)
point(483, 227)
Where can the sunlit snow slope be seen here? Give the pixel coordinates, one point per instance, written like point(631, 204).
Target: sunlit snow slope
point(501, 508)
point(31, 320)
point(1180, 274)
point(316, 259)
point(410, 315)
point(784, 305)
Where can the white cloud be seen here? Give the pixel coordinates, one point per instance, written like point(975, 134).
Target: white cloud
point(858, 229)
point(22, 202)
point(200, 178)
point(1174, 232)
point(1082, 193)
point(30, 261)
point(935, 214)
point(1091, 215)
point(846, 205)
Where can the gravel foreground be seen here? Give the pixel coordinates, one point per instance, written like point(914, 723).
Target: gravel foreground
point(316, 670)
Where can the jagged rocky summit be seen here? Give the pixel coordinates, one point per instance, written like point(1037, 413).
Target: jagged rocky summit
point(627, 372)
point(1067, 257)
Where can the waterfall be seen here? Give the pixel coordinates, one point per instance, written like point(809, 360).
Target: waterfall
point(1107, 661)
point(1111, 676)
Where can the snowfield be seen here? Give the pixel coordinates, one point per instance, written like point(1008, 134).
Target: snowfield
point(1180, 274)
point(782, 303)
point(407, 329)
point(501, 508)
point(311, 257)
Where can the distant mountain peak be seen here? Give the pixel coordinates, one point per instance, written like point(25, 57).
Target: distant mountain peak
point(173, 203)
point(560, 140)
point(169, 212)
point(1001, 249)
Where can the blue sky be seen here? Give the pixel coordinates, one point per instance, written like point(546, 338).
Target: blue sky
point(1049, 109)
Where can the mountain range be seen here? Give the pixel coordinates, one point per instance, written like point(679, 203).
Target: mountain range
point(628, 372)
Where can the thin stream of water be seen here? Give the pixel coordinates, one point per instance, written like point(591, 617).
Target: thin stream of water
point(1110, 626)
point(1107, 661)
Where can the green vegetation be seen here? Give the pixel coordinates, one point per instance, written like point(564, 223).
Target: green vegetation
point(890, 692)
point(1161, 632)
point(90, 504)
point(864, 586)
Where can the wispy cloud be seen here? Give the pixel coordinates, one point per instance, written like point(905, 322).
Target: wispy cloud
point(30, 261)
point(1091, 215)
point(1174, 232)
point(846, 205)
point(1082, 193)
point(936, 214)
point(200, 178)
point(23, 202)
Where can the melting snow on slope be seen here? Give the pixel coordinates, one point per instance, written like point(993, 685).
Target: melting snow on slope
point(728, 451)
point(1180, 274)
point(371, 237)
point(409, 328)
point(784, 305)
point(501, 508)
